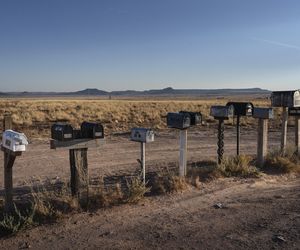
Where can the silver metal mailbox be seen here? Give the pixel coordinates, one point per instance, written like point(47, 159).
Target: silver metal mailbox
point(142, 135)
point(223, 112)
point(289, 99)
point(263, 113)
point(14, 141)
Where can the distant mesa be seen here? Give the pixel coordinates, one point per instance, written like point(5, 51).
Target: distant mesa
point(90, 92)
point(169, 91)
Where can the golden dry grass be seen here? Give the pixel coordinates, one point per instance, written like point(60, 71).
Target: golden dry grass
point(34, 116)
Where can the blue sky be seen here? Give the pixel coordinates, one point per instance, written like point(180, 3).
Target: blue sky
point(62, 45)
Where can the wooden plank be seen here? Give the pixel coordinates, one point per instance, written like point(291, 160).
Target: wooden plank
point(7, 122)
point(76, 144)
point(285, 117)
point(79, 170)
point(297, 135)
point(183, 152)
point(262, 141)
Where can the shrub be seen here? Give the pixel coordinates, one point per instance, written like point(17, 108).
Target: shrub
point(136, 190)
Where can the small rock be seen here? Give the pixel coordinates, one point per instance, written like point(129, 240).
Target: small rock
point(24, 245)
point(279, 238)
point(218, 205)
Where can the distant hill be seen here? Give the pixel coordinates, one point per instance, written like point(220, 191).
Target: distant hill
point(169, 91)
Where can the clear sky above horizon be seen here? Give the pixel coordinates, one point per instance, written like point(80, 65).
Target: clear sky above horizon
point(66, 45)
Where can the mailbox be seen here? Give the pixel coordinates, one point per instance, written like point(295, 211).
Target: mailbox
point(62, 132)
point(288, 99)
point(222, 112)
point(14, 141)
point(142, 135)
point(242, 108)
point(196, 117)
point(77, 134)
point(178, 120)
point(294, 111)
point(92, 130)
point(263, 113)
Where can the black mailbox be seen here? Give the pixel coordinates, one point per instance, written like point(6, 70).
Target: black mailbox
point(77, 134)
point(196, 117)
point(288, 99)
point(242, 108)
point(92, 130)
point(294, 111)
point(178, 120)
point(222, 112)
point(62, 132)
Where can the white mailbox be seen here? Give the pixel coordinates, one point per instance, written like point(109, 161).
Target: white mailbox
point(14, 141)
point(142, 135)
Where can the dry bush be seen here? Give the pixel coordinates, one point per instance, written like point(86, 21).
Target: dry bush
point(238, 166)
point(202, 172)
point(168, 183)
point(15, 221)
point(136, 190)
point(278, 162)
point(100, 198)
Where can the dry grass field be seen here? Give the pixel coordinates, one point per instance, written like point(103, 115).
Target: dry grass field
point(35, 116)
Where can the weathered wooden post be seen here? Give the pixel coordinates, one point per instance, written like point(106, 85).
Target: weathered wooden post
point(13, 144)
point(295, 112)
point(91, 135)
point(285, 100)
point(240, 109)
point(143, 136)
point(263, 115)
point(182, 121)
point(182, 152)
point(221, 113)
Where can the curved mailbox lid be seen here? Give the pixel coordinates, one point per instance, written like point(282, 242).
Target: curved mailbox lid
point(196, 117)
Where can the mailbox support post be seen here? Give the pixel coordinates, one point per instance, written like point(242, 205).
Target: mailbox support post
point(262, 141)
point(297, 134)
point(143, 161)
point(9, 160)
point(220, 140)
point(238, 132)
point(183, 152)
point(79, 170)
point(285, 117)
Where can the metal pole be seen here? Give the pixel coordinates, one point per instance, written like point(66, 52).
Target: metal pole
point(220, 140)
point(238, 135)
point(183, 152)
point(143, 160)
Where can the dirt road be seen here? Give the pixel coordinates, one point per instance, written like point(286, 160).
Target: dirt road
point(257, 214)
point(120, 154)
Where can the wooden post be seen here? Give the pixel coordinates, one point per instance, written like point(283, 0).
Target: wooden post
point(143, 161)
point(183, 152)
point(262, 141)
point(79, 170)
point(297, 134)
point(9, 160)
point(285, 117)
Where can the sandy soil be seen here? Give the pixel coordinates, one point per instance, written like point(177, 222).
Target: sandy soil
point(256, 213)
